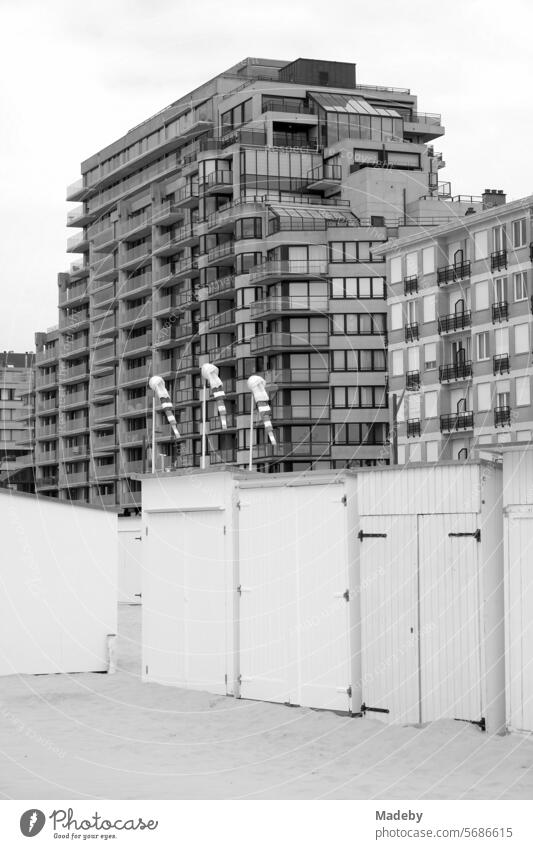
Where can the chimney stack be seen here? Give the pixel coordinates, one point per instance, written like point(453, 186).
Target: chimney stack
point(493, 197)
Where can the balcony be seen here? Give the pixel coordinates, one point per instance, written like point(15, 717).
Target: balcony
point(47, 405)
point(270, 341)
point(221, 286)
point(176, 270)
point(103, 385)
point(167, 213)
point(77, 244)
point(137, 343)
point(104, 413)
point(75, 425)
point(290, 450)
point(105, 269)
point(137, 284)
point(500, 312)
point(289, 270)
point(129, 436)
point(76, 478)
point(74, 372)
point(452, 273)
point(223, 319)
point(500, 364)
point(455, 371)
point(324, 178)
point(223, 455)
point(135, 406)
point(105, 241)
point(223, 254)
point(498, 260)
point(74, 346)
point(104, 472)
point(73, 293)
point(75, 399)
point(47, 482)
point(73, 320)
point(186, 396)
point(455, 321)
point(137, 314)
point(215, 425)
point(104, 353)
point(77, 217)
point(136, 225)
point(502, 417)
point(457, 421)
point(103, 443)
point(218, 183)
point(170, 242)
point(295, 304)
point(136, 256)
point(104, 327)
point(47, 379)
point(168, 335)
point(47, 355)
point(411, 332)
point(76, 190)
point(104, 296)
point(413, 427)
point(410, 284)
point(412, 381)
point(302, 376)
point(299, 412)
point(74, 452)
point(187, 197)
point(134, 375)
point(222, 353)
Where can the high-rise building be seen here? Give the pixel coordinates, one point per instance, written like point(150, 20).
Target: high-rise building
point(460, 332)
point(238, 226)
point(16, 420)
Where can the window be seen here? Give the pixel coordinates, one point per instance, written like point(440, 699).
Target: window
point(482, 345)
point(244, 262)
point(523, 394)
point(359, 324)
point(353, 252)
point(498, 238)
point(500, 289)
point(248, 228)
point(503, 393)
point(401, 455)
point(361, 288)
point(432, 451)
point(428, 260)
point(482, 295)
point(396, 269)
point(397, 362)
point(396, 316)
point(347, 397)
point(430, 404)
point(410, 317)
point(429, 308)
point(519, 233)
point(360, 433)
point(359, 360)
point(481, 244)
point(415, 453)
point(430, 355)
point(411, 264)
point(521, 339)
point(520, 286)
point(484, 396)
point(413, 358)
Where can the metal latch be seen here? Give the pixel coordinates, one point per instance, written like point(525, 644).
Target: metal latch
point(476, 534)
point(365, 708)
point(362, 535)
point(479, 722)
point(345, 595)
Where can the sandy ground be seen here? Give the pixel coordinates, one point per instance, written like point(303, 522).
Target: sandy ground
point(100, 736)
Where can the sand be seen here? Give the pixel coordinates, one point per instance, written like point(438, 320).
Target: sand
point(111, 736)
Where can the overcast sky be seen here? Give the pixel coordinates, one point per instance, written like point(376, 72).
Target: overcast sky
point(75, 76)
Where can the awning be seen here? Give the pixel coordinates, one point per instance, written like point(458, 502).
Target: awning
point(351, 105)
point(313, 213)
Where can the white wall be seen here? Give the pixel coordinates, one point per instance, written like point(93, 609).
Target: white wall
point(130, 539)
point(58, 594)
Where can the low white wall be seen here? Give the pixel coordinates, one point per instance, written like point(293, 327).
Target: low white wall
point(58, 585)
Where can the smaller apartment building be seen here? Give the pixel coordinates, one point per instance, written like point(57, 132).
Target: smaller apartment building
point(460, 307)
point(16, 420)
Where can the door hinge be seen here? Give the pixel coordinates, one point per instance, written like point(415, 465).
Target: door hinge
point(365, 708)
point(224, 530)
point(476, 534)
point(344, 500)
point(349, 691)
point(361, 535)
point(239, 679)
point(139, 538)
point(146, 531)
point(345, 595)
point(239, 589)
point(479, 722)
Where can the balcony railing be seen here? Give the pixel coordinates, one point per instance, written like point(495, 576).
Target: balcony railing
point(279, 104)
point(455, 321)
point(220, 251)
point(500, 311)
point(295, 303)
point(502, 416)
point(223, 455)
point(412, 380)
point(450, 273)
point(288, 268)
point(264, 451)
point(413, 427)
point(137, 343)
point(215, 424)
point(411, 332)
point(500, 364)
point(275, 377)
point(223, 319)
point(457, 421)
point(223, 284)
point(223, 352)
point(456, 371)
point(410, 284)
point(325, 174)
point(219, 179)
point(498, 260)
point(265, 341)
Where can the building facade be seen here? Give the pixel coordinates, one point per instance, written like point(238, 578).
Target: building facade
point(16, 420)
point(460, 332)
point(237, 226)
